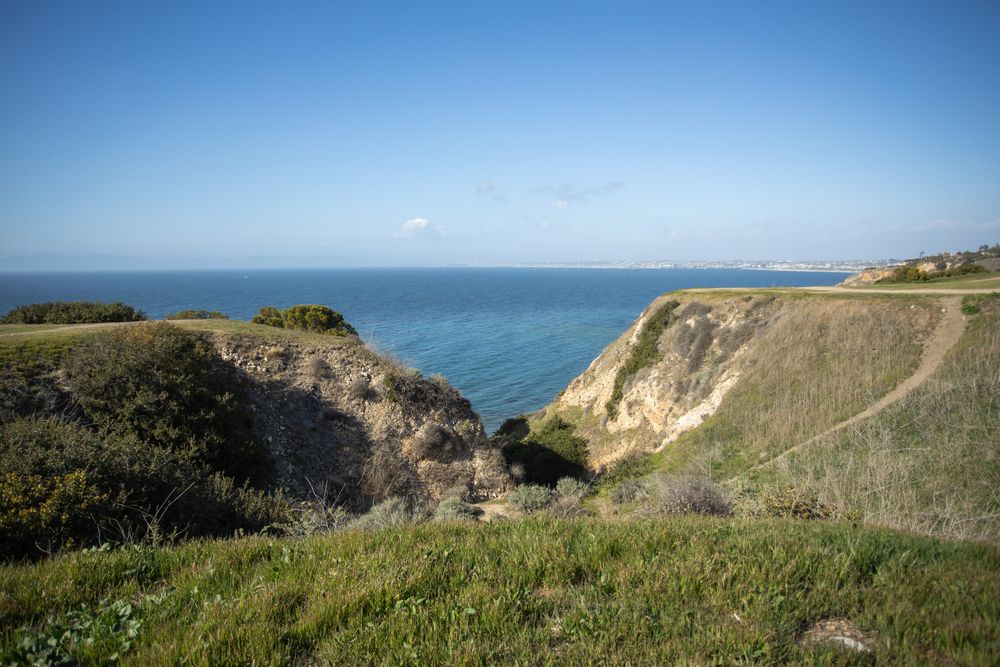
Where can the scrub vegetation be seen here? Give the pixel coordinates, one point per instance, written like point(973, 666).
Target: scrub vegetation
point(72, 312)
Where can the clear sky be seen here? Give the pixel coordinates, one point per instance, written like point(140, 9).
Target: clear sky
point(420, 133)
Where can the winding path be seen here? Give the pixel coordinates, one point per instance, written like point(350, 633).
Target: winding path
point(947, 333)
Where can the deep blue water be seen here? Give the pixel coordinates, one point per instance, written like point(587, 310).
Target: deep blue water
point(509, 339)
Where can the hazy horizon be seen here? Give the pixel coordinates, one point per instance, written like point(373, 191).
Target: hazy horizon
point(402, 135)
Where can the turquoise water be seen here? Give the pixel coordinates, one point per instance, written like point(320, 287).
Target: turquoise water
point(509, 339)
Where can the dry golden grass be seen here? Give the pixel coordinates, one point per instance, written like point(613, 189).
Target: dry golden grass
point(819, 363)
point(931, 463)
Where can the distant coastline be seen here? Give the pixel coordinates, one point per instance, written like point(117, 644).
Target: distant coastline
point(838, 266)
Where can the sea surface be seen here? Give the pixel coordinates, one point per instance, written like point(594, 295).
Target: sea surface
point(508, 338)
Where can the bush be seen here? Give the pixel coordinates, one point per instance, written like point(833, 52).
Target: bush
point(570, 487)
point(911, 274)
point(388, 513)
point(197, 315)
point(64, 485)
point(46, 513)
point(685, 495)
point(171, 389)
point(567, 508)
point(531, 497)
point(306, 317)
point(645, 353)
point(794, 503)
point(453, 508)
point(72, 312)
point(969, 305)
point(548, 453)
point(629, 491)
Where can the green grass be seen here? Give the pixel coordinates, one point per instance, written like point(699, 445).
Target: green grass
point(538, 591)
point(645, 352)
point(970, 281)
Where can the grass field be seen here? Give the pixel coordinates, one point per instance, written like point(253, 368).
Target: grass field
point(970, 281)
point(699, 590)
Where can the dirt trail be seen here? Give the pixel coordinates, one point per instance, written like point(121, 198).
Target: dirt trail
point(947, 333)
point(950, 291)
point(89, 325)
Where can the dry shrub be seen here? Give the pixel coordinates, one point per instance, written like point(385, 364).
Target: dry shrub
point(685, 495)
point(531, 497)
point(629, 491)
point(359, 389)
point(567, 507)
point(453, 508)
point(386, 474)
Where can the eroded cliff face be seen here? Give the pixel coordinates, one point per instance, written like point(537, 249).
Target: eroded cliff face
point(700, 357)
point(716, 344)
point(341, 420)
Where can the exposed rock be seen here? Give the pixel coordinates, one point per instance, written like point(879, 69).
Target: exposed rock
point(841, 633)
point(340, 415)
point(700, 354)
point(867, 277)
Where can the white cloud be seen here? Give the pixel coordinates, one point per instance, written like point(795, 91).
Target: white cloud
point(560, 204)
point(417, 228)
point(485, 186)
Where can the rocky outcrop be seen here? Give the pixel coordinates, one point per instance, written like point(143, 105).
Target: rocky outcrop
point(699, 360)
point(867, 277)
point(340, 420)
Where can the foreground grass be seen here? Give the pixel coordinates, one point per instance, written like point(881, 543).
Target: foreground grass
point(527, 592)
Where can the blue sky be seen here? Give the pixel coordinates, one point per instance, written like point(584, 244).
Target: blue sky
point(385, 133)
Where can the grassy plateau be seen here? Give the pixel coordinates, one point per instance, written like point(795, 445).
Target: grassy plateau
point(540, 591)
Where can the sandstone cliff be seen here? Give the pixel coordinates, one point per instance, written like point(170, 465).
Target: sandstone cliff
point(337, 416)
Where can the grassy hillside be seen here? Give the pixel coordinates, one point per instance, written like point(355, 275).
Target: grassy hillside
point(924, 457)
point(530, 592)
point(929, 463)
point(825, 361)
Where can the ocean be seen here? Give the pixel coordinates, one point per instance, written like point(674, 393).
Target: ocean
point(508, 338)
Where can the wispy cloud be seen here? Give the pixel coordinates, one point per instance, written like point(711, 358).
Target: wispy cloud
point(564, 195)
point(418, 228)
point(487, 188)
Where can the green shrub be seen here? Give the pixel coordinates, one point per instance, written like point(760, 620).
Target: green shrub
point(795, 503)
point(632, 466)
point(531, 497)
point(453, 508)
point(911, 274)
point(646, 352)
point(390, 512)
point(306, 317)
point(171, 389)
point(969, 305)
point(570, 487)
point(72, 312)
point(548, 453)
point(46, 513)
point(197, 315)
point(64, 485)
